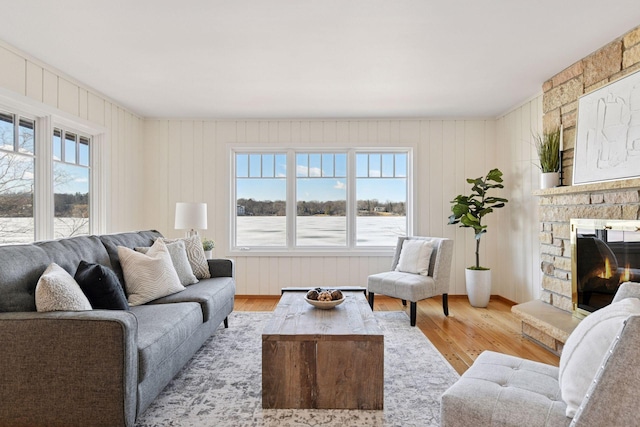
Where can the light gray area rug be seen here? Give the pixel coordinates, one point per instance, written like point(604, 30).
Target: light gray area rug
point(222, 384)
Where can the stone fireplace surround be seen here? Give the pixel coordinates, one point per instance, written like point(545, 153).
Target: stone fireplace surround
point(549, 320)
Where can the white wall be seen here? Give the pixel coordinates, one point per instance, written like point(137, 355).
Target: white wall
point(155, 163)
point(518, 271)
point(188, 160)
point(32, 79)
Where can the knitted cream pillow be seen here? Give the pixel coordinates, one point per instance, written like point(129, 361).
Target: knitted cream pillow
point(58, 291)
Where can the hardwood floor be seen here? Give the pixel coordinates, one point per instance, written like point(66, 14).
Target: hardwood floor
point(461, 337)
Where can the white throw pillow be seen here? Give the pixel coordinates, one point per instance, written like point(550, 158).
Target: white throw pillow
point(586, 348)
point(148, 276)
point(195, 253)
point(180, 261)
point(57, 290)
point(415, 256)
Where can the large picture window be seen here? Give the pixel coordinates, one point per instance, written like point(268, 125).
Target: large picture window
point(340, 199)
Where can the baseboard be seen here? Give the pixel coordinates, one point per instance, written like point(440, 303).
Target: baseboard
point(459, 296)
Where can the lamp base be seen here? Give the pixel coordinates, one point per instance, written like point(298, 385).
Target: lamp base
point(191, 233)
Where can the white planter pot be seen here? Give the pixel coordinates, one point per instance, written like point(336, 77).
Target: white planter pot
point(549, 179)
point(208, 254)
point(478, 287)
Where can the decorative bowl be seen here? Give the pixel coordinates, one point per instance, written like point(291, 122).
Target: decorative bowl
point(324, 305)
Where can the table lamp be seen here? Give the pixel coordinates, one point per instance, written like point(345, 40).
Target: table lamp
point(191, 217)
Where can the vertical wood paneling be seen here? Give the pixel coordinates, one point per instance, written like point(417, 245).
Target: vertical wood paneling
point(34, 81)
point(521, 244)
point(435, 178)
point(124, 137)
point(14, 71)
point(68, 94)
point(95, 109)
point(50, 88)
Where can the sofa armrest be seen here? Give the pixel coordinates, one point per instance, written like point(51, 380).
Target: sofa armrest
point(612, 395)
point(221, 267)
point(627, 290)
point(68, 368)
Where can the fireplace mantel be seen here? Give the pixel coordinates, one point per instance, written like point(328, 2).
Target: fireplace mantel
point(627, 184)
point(549, 319)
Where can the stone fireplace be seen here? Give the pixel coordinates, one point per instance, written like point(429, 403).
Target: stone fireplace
point(549, 320)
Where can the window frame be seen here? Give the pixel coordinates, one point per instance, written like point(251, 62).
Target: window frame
point(46, 119)
point(351, 248)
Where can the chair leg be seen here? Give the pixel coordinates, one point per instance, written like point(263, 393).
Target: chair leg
point(371, 300)
point(445, 304)
point(226, 322)
point(412, 315)
point(404, 302)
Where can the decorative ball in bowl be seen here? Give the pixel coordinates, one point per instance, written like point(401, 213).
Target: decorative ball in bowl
point(324, 298)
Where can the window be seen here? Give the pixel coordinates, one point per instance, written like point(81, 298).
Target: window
point(340, 199)
point(321, 200)
point(17, 183)
point(381, 192)
point(71, 175)
point(261, 199)
point(50, 174)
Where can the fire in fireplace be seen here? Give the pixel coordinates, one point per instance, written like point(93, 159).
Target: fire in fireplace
point(604, 254)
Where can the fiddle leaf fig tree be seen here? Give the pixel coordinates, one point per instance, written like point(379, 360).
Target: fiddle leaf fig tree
point(469, 211)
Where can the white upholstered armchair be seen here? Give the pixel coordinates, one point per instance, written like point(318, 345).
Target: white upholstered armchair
point(422, 271)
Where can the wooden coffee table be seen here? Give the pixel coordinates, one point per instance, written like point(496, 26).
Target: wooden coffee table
point(324, 359)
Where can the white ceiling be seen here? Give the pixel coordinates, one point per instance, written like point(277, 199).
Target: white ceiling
point(314, 58)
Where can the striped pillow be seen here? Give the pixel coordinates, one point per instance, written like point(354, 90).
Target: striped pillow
point(148, 276)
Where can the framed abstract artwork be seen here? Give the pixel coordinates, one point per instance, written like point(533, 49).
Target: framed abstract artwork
point(608, 133)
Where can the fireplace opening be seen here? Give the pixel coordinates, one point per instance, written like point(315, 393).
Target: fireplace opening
point(604, 254)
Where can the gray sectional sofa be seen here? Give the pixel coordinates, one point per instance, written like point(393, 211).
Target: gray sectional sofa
point(98, 367)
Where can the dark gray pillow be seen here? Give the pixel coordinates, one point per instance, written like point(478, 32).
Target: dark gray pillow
point(101, 286)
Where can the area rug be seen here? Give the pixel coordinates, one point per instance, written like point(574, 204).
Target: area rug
point(222, 384)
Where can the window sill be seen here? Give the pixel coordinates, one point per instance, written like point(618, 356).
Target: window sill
point(315, 252)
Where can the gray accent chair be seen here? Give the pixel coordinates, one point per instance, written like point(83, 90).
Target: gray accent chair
point(503, 390)
point(416, 287)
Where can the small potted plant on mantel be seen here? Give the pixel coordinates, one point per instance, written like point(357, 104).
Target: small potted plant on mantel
point(548, 147)
point(208, 245)
point(469, 211)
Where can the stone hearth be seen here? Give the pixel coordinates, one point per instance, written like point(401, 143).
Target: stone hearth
point(549, 321)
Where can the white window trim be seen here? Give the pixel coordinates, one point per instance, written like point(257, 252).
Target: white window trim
point(291, 250)
point(46, 118)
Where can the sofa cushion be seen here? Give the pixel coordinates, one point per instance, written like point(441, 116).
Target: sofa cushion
point(180, 261)
point(161, 330)
point(211, 294)
point(502, 390)
point(101, 286)
point(408, 286)
point(195, 253)
point(415, 256)
point(68, 253)
point(20, 269)
point(58, 291)
point(128, 240)
point(148, 276)
point(586, 348)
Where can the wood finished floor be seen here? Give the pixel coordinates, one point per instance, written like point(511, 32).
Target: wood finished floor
point(461, 337)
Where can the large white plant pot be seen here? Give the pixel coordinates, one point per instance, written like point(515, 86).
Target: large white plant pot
point(549, 179)
point(478, 287)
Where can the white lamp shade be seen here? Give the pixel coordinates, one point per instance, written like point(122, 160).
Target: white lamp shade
point(191, 216)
